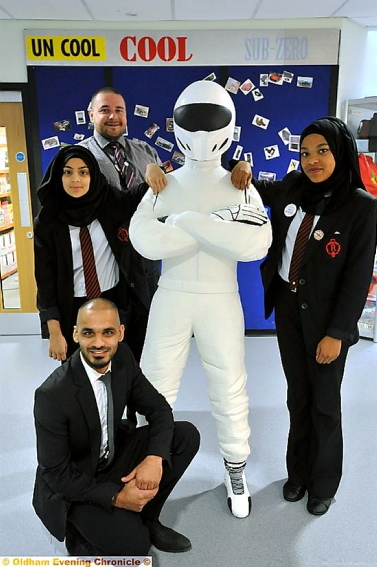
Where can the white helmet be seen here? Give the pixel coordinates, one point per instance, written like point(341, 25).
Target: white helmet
point(204, 119)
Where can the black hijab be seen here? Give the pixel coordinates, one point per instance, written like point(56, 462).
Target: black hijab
point(76, 211)
point(329, 195)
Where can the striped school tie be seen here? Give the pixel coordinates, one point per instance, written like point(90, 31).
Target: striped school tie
point(92, 286)
point(299, 249)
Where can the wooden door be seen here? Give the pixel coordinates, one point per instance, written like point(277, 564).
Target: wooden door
point(17, 289)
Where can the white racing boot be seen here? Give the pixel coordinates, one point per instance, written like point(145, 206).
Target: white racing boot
point(239, 499)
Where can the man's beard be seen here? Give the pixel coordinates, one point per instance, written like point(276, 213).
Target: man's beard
point(96, 365)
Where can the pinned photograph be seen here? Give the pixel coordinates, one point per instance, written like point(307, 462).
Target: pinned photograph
point(248, 156)
point(178, 157)
point(294, 143)
point(49, 143)
point(169, 125)
point(257, 95)
point(266, 176)
point(271, 152)
point(167, 166)
point(141, 111)
point(293, 165)
point(263, 80)
point(305, 82)
point(62, 125)
point(287, 76)
point(80, 117)
point(210, 77)
point(237, 152)
point(275, 78)
point(285, 135)
point(90, 126)
point(232, 85)
point(247, 86)
point(237, 133)
point(260, 121)
point(149, 132)
point(79, 137)
point(164, 144)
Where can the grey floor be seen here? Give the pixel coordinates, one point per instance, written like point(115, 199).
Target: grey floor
point(277, 533)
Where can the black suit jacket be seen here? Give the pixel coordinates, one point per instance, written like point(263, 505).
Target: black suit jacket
point(337, 267)
point(54, 264)
point(69, 434)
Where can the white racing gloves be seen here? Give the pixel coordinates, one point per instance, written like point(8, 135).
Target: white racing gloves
point(246, 213)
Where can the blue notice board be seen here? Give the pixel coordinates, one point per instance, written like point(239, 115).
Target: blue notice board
point(289, 99)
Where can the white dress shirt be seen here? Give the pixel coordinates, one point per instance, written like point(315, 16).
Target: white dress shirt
point(106, 265)
point(100, 394)
point(290, 242)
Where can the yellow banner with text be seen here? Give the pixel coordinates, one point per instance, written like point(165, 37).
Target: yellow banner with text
point(63, 48)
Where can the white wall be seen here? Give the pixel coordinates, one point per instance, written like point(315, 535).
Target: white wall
point(370, 71)
point(357, 48)
point(353, 64)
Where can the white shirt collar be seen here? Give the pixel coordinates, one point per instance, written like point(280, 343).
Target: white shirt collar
point(103, 142)
point(92, 374)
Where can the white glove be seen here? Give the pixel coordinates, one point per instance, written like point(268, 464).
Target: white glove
point(248, 214)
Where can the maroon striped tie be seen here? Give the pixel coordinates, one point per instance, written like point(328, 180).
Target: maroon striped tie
point(299, 249)
point(125, 170)
point(90, 274)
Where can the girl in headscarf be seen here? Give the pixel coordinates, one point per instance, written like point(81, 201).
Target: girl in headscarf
point(74, 194)
point(318, 308)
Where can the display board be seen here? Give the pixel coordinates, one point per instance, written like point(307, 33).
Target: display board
point(273, 105)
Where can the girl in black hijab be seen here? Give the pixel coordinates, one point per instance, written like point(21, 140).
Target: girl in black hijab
point(76, 211)
point(74, 194)
point(318, 309)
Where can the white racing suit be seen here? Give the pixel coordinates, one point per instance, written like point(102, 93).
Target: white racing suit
point(198, 290)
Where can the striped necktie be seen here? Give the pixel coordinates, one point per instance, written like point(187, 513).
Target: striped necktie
point(92, 286)
point(124, 169)
point(299, 249)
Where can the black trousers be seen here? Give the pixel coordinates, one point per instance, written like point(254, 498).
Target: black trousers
point(122, 532)
point(315, 442)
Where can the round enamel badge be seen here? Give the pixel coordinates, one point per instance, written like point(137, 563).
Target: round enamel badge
point(290, 210)
point(318, 234)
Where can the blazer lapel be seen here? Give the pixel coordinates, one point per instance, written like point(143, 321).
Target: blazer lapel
point(119, 373)
point(321, 231)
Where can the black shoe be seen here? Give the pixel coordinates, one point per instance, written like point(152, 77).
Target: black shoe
point(292, 492)
point(318, 506)
point(166, 539)
point(75, 543)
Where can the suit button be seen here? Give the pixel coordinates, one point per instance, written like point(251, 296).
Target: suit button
point(301, 281)
point(304, 305)
point(132, 284)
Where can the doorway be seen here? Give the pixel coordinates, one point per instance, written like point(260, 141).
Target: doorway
point(17, 284)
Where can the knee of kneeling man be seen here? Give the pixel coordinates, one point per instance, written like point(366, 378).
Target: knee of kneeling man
point(186, 432)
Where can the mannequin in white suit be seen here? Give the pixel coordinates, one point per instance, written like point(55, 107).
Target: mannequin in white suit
point(200, 226)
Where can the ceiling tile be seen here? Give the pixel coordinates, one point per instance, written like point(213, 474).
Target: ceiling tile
point(292, 9)
point(45, 10)
point(221, 10)
point(131, 10)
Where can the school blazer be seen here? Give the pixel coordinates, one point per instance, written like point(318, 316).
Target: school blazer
point(69, 434)
point(337, 265)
